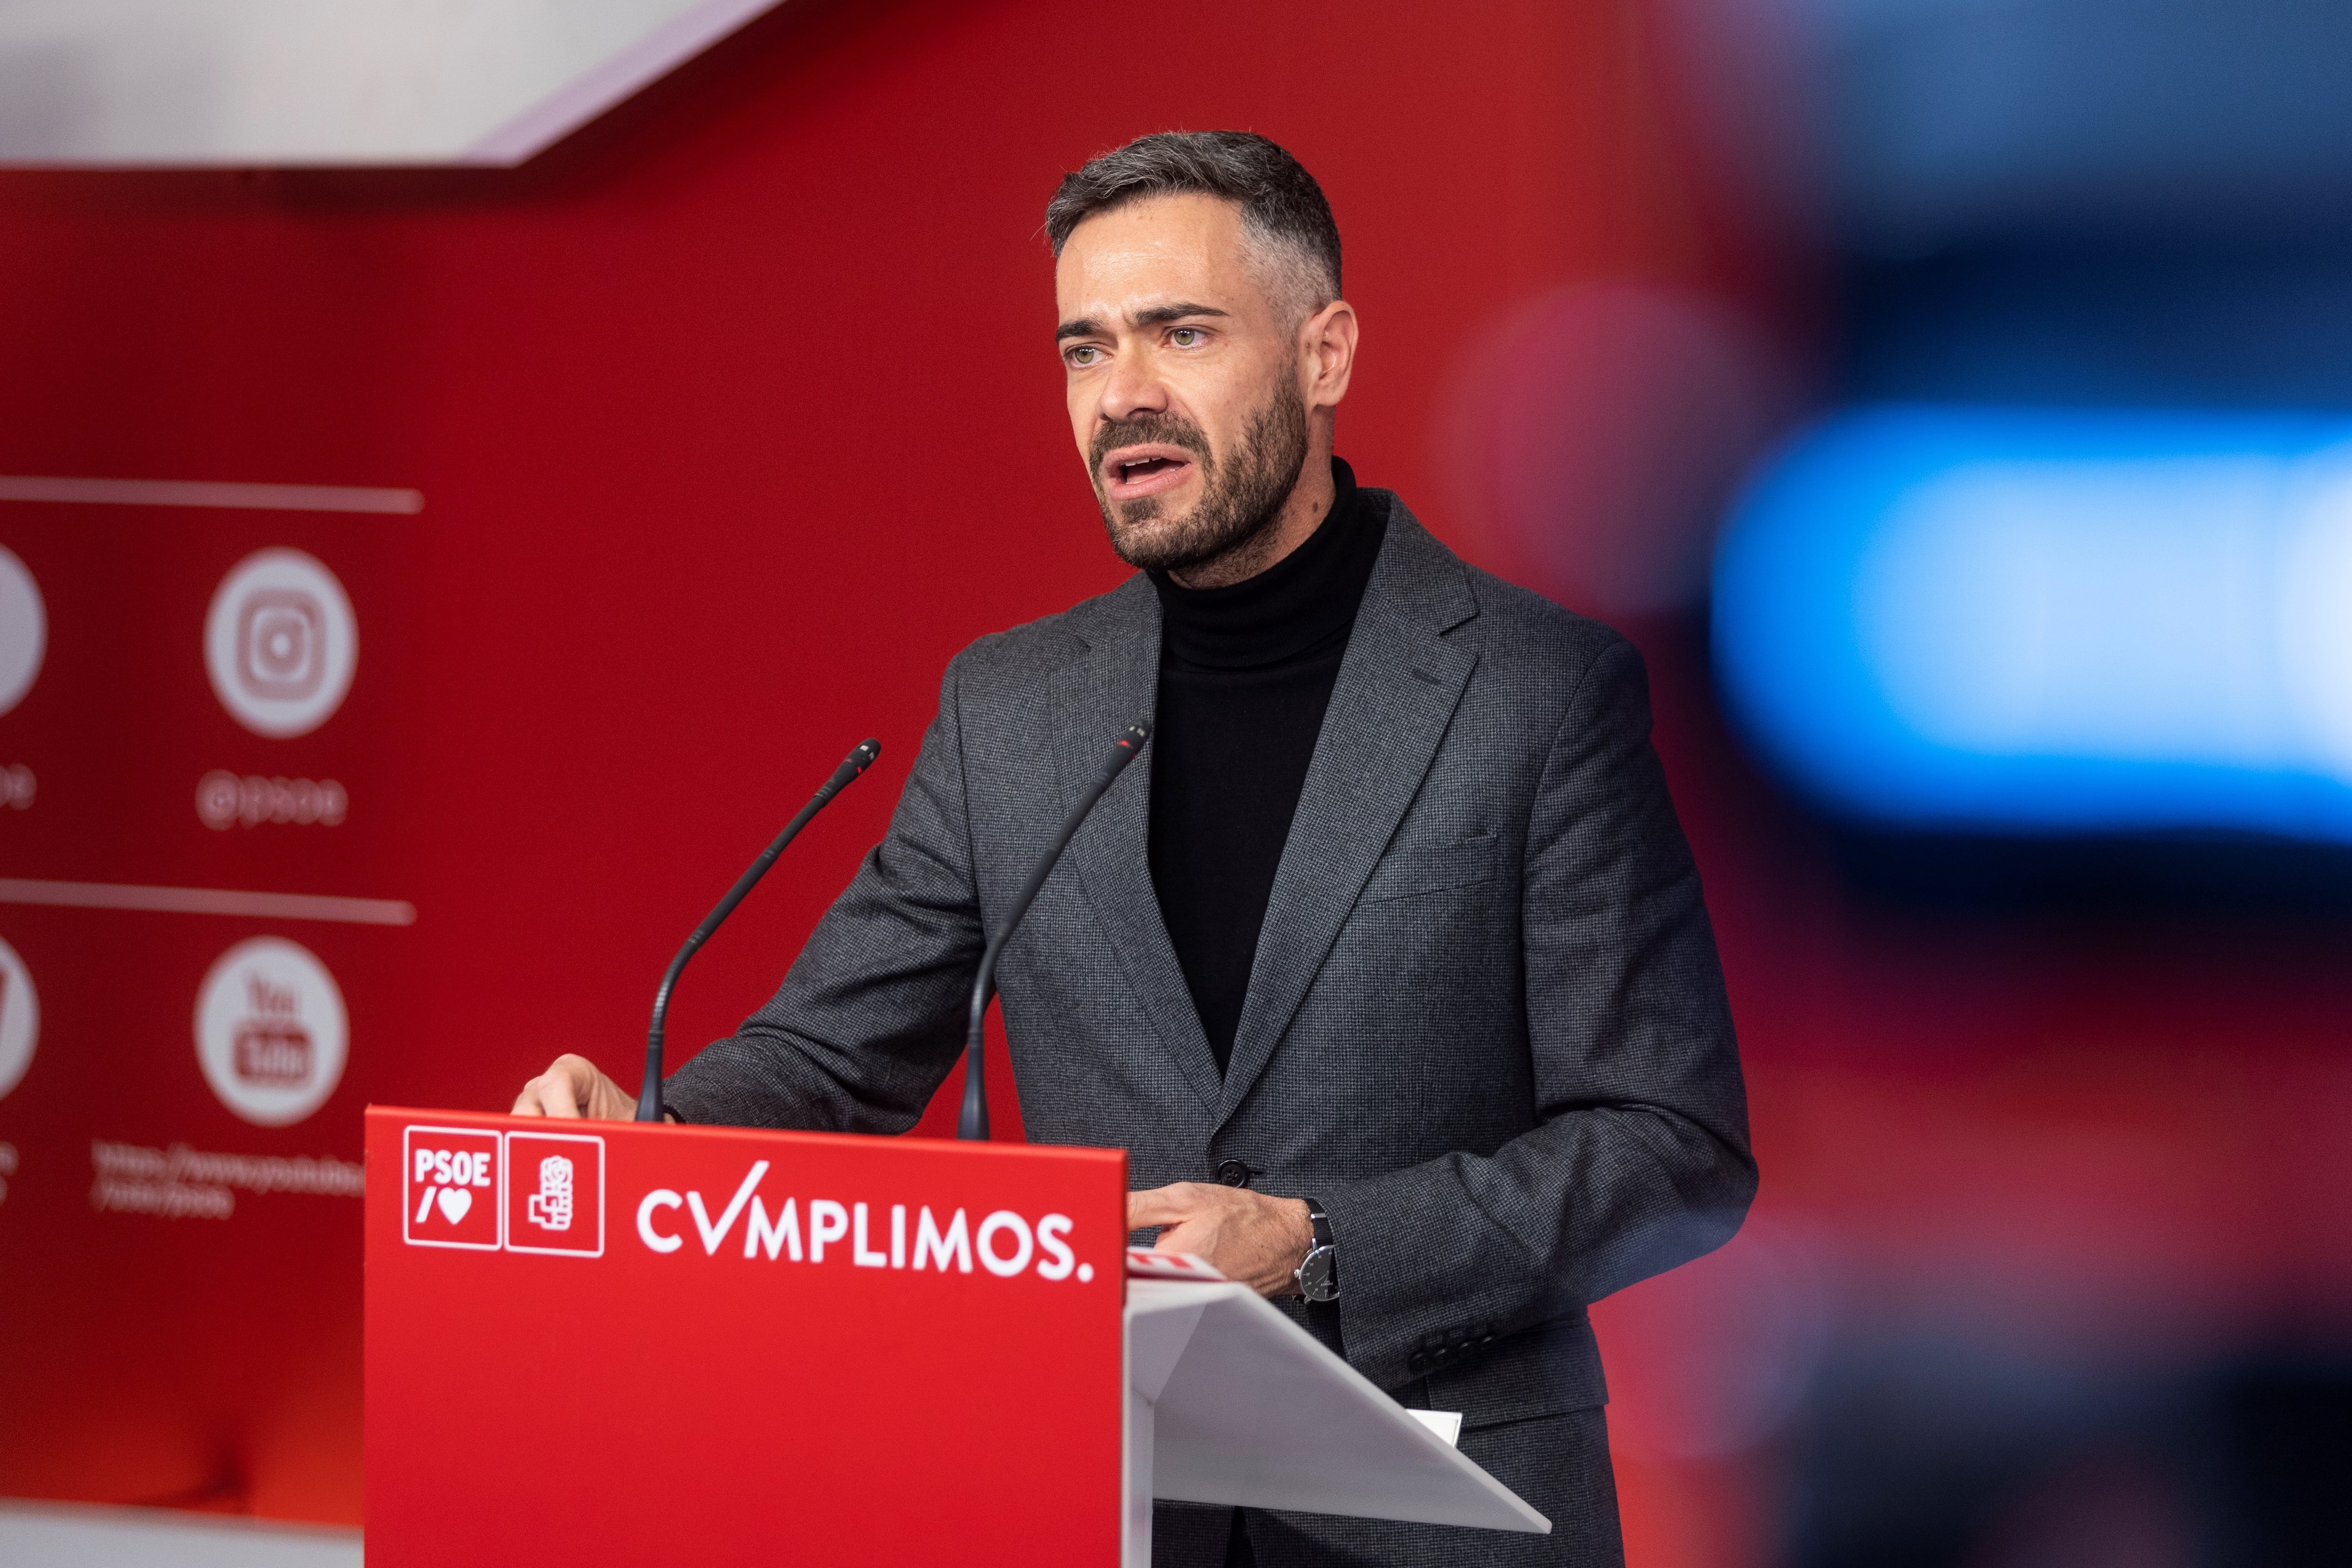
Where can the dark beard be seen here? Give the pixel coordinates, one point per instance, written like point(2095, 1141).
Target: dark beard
point(1241, 495)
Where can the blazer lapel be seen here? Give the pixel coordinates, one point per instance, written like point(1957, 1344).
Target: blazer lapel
point(1095, 696)
point(1398, 686)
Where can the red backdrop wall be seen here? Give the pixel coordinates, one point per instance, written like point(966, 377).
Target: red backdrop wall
point(735, 416)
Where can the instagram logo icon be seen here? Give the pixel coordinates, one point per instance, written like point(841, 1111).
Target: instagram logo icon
point(551, 1206)
point(278, 636)
point(281, 643)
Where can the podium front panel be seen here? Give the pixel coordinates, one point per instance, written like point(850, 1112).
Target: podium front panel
point(606, 1342)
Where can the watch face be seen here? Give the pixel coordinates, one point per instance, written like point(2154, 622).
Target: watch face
point(1318, 1276)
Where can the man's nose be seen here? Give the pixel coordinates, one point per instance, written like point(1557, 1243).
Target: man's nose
point(1133, 388)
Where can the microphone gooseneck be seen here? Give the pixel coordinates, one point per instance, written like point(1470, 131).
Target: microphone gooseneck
point(974, 1121)
point(649, 1095)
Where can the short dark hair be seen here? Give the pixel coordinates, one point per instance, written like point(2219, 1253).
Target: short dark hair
point(1282, 208)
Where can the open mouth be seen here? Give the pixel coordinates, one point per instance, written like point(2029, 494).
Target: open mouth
point(1133, 472)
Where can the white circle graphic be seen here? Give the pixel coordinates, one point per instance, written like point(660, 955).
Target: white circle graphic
point(272, 1033)
point(24, 630)
point(281, 643)
point(20, 1018)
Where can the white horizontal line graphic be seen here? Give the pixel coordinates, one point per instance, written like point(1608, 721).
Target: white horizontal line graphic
point(198, 492)
point(206, 901)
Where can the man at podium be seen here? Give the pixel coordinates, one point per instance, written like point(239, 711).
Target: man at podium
point(1391, 971)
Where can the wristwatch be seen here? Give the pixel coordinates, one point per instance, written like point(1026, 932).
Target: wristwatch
point(1318, 1274)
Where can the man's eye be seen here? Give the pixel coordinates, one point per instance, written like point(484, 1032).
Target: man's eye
point(1081, 356)
point(1185, 337)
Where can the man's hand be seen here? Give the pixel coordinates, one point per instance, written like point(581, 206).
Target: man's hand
point(572, 1088)
point(1245, 1236)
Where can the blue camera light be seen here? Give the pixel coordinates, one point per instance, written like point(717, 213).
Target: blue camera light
point(2047, 622)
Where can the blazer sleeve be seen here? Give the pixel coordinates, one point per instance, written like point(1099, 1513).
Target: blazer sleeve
point(1640, 1159)
point(870, 1017)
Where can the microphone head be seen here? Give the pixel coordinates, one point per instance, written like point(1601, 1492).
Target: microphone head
point(1123, 751)
point(863, 758)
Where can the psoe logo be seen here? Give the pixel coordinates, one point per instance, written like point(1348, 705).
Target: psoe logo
point(281, 643)
point(453, 1187)
point(272, 1032)
point(481, 1191)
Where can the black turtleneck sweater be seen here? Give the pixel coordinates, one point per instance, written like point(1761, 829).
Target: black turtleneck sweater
point(1245, 672)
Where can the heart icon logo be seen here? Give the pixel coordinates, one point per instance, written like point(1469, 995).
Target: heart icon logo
point(455, 1202)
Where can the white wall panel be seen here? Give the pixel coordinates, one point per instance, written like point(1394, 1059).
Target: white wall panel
point(145, 83)
point(71, 1535)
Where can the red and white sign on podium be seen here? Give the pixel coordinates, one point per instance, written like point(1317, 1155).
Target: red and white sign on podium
point(657, 1344)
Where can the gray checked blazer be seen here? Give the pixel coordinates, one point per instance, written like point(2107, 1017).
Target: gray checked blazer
point(1486, 1026)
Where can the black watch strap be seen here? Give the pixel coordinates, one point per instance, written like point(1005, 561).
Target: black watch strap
point(1318, 1276)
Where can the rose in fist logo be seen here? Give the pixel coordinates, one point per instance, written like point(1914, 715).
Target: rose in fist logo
point(555, 1202)
point(551, 1206)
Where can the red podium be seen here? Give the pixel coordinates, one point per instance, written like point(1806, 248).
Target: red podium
point(598, 1342)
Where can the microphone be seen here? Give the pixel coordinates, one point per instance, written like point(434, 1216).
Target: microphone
point(974, 1121)
point(649, 1096)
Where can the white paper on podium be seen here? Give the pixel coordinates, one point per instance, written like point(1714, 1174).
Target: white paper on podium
point(1231, 1402)
point(1446, 1424)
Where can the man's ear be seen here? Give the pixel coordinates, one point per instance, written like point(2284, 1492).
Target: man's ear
point(1326, 354)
